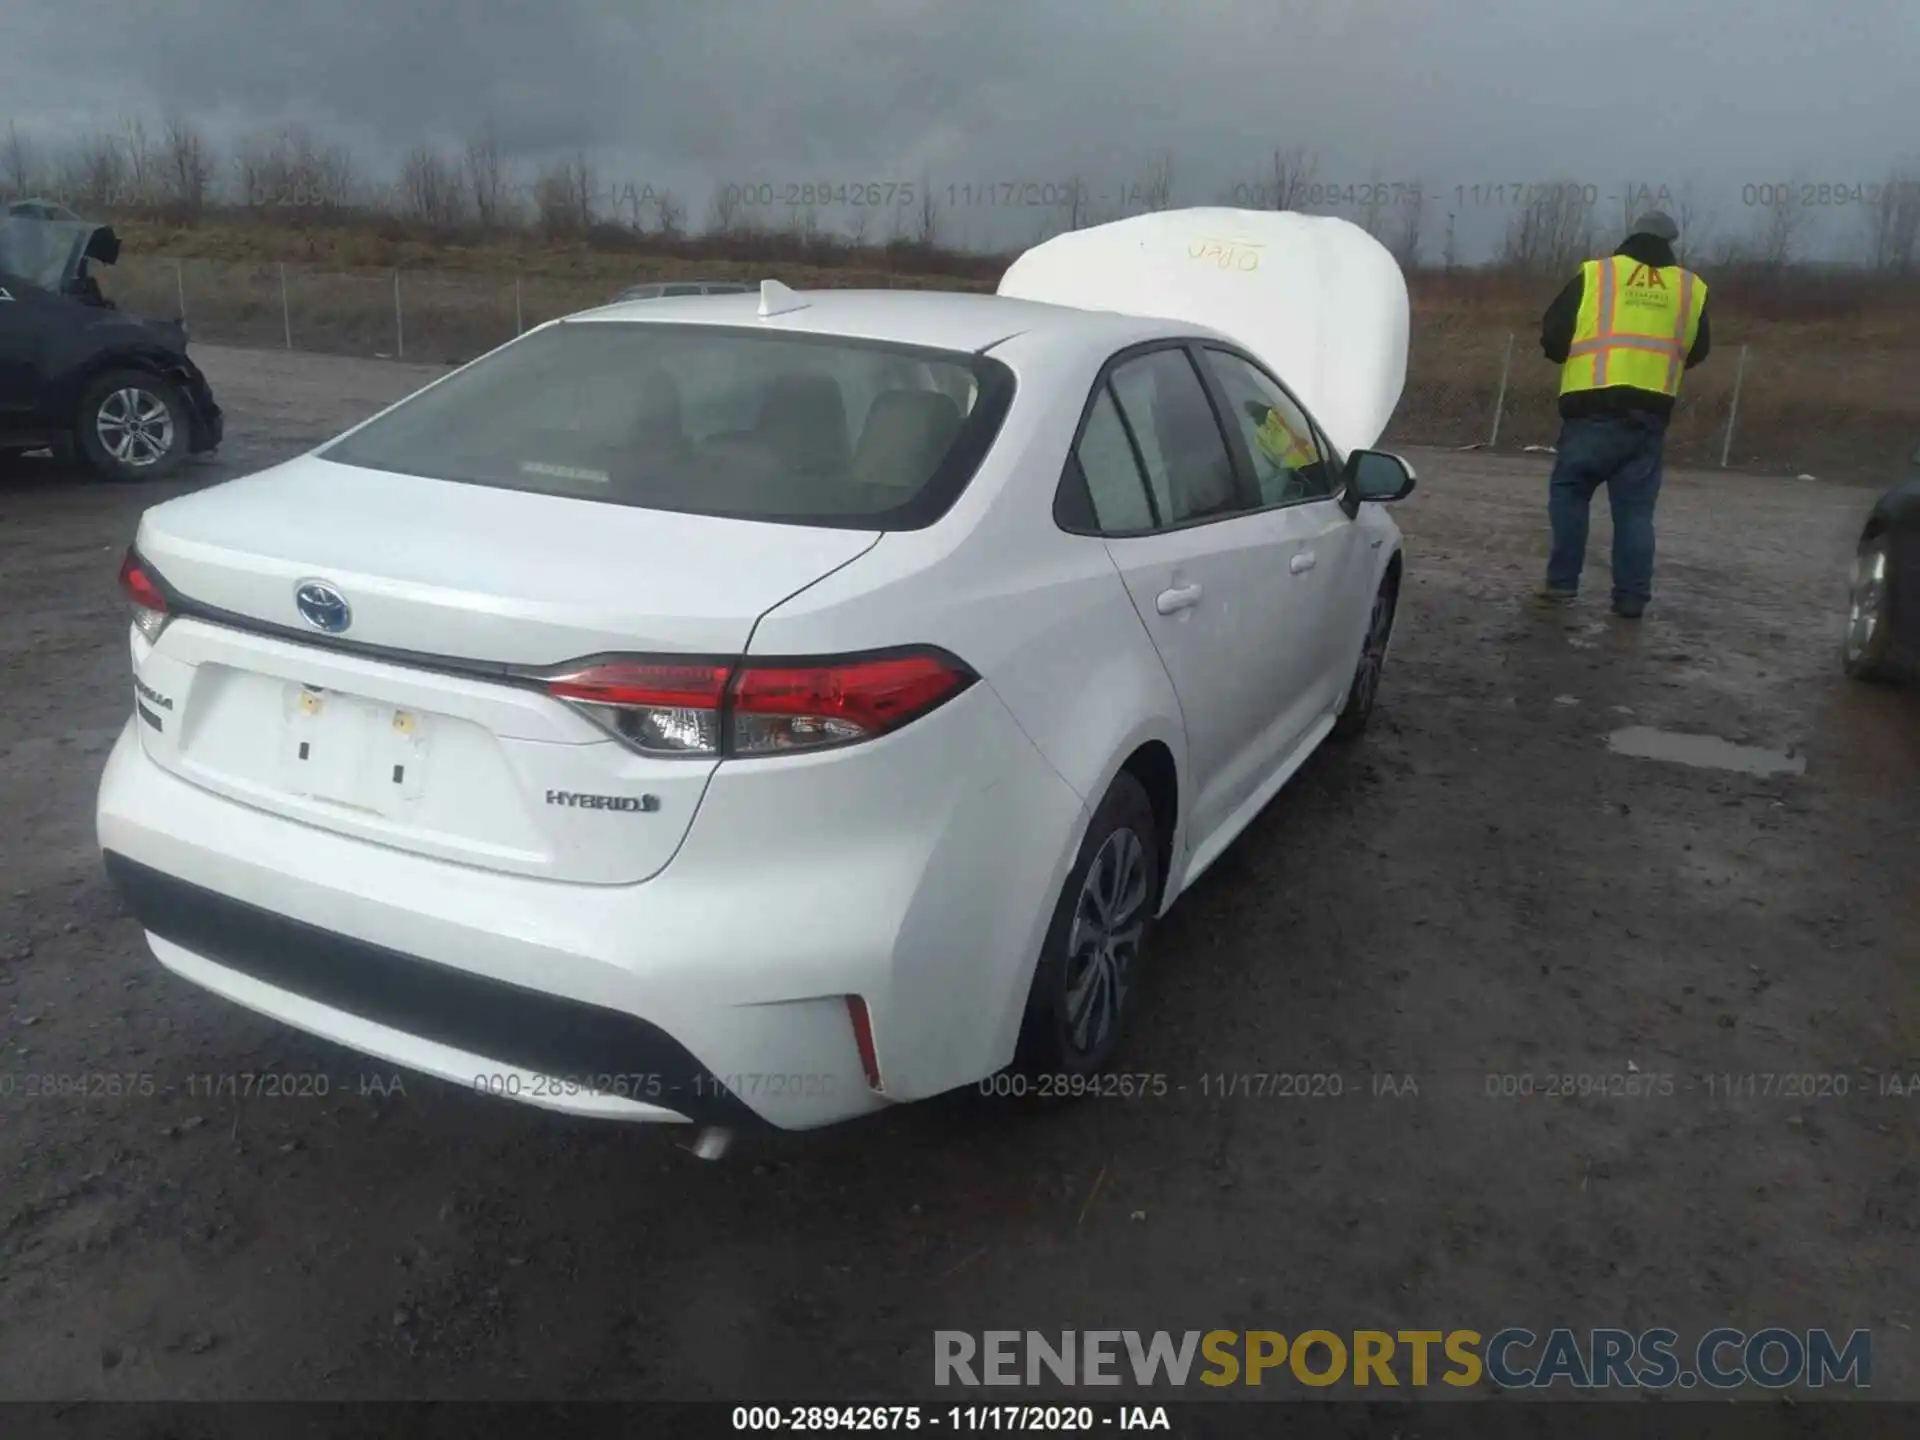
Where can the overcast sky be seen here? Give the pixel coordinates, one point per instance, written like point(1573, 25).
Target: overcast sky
point(1448, 93)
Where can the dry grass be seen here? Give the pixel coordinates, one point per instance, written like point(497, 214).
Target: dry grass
point(1828, 386)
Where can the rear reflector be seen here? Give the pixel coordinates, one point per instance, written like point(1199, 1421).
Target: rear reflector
point(148, 601)
point(666, 707)
point(863, 1039)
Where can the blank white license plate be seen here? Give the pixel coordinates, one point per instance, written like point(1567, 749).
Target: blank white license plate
point(350, 751)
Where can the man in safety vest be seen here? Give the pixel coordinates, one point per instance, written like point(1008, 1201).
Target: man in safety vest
point(1285, 451)
point(1623, 331)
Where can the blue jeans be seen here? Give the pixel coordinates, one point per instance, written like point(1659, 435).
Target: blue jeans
point(1623, 452)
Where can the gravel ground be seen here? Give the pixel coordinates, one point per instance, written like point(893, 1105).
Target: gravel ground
point(1481, 888)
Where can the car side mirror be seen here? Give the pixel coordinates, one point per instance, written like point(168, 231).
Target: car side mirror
point(1378, 475)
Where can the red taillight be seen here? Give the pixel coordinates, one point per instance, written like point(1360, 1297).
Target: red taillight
point(149, 602)
point(863, 1040)
point(139, 585)
point(796, 707)
point(668, 707)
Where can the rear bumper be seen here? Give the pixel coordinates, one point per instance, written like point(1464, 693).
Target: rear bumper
point(714, 992)
point(510, 1035)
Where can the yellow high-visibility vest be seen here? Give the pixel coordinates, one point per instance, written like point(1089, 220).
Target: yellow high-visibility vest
point(1636, 325)
point(1282, 446)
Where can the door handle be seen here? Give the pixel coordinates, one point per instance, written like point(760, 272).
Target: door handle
point(1182, 598)
point(1303, 562)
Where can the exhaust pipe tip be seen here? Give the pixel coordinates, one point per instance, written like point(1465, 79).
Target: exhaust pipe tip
point(712, 1142)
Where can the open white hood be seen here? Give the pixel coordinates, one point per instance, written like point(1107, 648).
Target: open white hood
point(1316, 298)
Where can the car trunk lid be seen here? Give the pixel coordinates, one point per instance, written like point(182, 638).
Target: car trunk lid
point(416, 724)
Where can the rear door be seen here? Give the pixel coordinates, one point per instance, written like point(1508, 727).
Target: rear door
point(1208, 575)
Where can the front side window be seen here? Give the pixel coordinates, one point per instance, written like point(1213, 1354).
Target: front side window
point(704, 420)
point(1287, 460)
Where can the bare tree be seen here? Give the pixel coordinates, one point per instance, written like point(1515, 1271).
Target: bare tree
point(1076, 203)
point(1892, 216)
point(1695, 220)
point(486, 176)
point(1373, 213)
point(1155, 189)
point(432, 188)
point(1293, 174)
point(19, 167)
point(1449, 248)
point(564, 195)
point(670, 216)
point(723, 211)
point(927, 227)
point(142, 161)
point(1552, 232)
point(584, 180)
point(253, 163)
point(323, 172)
point(1404, 241)
point(96, 171)
point(187, 167)
point(1782, 225)
point(857, 227)
point(291, 169)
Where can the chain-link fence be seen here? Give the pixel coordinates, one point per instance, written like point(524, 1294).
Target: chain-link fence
point(1798, 401)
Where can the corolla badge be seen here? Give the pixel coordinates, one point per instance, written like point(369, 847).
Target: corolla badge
point(322, 606)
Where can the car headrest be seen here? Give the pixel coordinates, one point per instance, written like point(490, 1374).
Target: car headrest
point(907, 434)
point(803, 418)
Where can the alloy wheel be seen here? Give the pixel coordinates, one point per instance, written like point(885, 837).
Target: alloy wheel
point(1109, 920)
point(135, 427)
point(1867, 601)
point(1373, 653)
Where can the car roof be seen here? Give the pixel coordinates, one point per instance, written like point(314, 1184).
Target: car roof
point(935, 319)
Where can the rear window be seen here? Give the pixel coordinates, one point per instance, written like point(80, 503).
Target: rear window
point(705, 420)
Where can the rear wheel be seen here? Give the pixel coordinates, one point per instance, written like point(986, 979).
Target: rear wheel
point(132, 425)
point(1365, 686)
point(1091, 961)
point(1868, 651)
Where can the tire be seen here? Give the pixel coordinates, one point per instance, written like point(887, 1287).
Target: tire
point(1363, 691)
point(1123, 839)
point(1867, 652)
point(132, 425)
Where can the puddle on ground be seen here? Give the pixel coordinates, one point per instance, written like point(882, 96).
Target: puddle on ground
point(1707, 751)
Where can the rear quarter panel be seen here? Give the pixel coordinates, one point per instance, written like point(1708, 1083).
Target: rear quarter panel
point(1046, 621)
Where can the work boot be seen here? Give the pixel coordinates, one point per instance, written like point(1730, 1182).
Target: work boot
point(1629, 609)
point(1555, 595)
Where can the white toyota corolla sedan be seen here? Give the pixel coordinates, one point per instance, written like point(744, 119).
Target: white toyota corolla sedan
point(773, 707)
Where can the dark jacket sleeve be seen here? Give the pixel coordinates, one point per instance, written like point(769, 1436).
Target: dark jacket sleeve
point(1556, 326)
point(1702, 341)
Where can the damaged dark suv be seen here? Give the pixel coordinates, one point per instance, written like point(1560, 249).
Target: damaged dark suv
point(78, 372)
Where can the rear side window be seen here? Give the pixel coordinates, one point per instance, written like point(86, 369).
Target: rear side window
point(705, 420)
point(1186, 456)
point(1114, 485)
